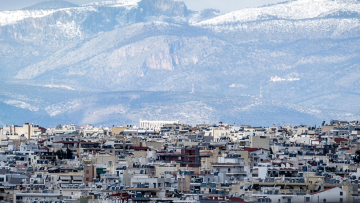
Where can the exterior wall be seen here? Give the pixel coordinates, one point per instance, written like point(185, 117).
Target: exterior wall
point(244, 155)
point(74, 194)
point(154, 145)
point(332, 195)
point(139, 154)
point(260, 142)
point(206, 161)
point(27, 129)
point(89, 173)
point(118, 130)
point(184, 183)
point(161, 170)
point(326, 128)
point(189, 143)
point(218, 132)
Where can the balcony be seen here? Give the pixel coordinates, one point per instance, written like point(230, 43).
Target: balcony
point(238, 172)
point(227, 164)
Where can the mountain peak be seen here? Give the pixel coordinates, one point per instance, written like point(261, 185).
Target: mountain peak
point(52, 4)
point(163, 7)
point(290, 10)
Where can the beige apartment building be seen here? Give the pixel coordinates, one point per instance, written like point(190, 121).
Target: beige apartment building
point(219, 132)
point(28, 130)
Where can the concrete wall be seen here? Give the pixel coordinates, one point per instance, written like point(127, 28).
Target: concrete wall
point(117, 130)
point(260, 142)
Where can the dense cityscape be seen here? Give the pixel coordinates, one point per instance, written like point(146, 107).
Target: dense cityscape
point(166, 161)
point(179, 101)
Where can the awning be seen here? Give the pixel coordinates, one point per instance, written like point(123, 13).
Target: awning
point(65, 177)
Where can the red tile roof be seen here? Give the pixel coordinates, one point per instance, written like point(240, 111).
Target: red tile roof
point(312, 164)
point(340, 139)
point(67, 142)
point(322, 190)
point(140, 148)
point(344, 148)
point(251, 149)
point(236, 199)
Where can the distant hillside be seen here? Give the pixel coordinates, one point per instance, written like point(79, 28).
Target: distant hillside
point(54, 4)
point(295, 61)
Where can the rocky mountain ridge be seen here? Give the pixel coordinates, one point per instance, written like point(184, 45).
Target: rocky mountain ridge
point(298, 56)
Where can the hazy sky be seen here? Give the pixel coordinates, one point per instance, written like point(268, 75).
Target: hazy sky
point(222, 5)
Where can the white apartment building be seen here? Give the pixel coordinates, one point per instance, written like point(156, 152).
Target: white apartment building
point(155, 125)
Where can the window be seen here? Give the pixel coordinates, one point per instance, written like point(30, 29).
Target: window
point(307, 199)
point(87, 179)
point(341, 193)
point(87, 171)
point(341, 200)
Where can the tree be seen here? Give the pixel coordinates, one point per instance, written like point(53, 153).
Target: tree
point(58, 127)
point(59, 154)
point(64, 154)
point(357, 157)
point(69, 154)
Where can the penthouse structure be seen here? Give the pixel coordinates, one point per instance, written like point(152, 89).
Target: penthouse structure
point(155, 125)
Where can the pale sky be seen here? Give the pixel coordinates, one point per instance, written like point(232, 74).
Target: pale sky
point(223, 5)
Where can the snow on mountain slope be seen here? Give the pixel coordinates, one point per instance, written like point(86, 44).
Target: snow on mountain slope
point(53, 4)
point(117, 3)
point(293, 10)
point(95, 47)
point(11, 17)
point(338, 28)
point(294, 52)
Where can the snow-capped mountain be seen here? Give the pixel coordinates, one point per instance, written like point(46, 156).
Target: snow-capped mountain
point(293, 20)
point(298, 57)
